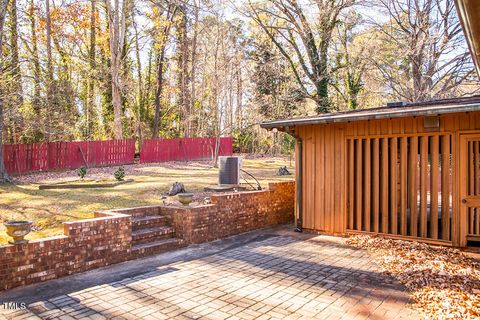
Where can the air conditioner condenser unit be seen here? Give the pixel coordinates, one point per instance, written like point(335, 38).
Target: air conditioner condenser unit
point(229, 171)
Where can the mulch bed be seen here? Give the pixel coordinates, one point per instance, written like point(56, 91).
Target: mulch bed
point(103, 173)
point(444, 282)
point(84, 184)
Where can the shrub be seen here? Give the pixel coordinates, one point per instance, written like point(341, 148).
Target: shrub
point(82, 172)
point(119, 174)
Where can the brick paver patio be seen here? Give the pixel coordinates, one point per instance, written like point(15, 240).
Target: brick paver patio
point(283, 276)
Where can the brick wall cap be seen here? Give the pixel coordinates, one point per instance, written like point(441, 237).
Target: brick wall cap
point(239, 194)
point(123, 210)
point(35, 241)
point(52, 238)
point(86, 222)
point(187, 208)
point(201, 206)
point(111, 213)
point(282, 182)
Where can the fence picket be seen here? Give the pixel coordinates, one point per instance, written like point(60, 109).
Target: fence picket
point(23, 158)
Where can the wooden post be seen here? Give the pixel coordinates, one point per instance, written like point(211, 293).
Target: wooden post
point(403, 185)
point(384, 186)
point(376, 184)
point(358, 183)
point(351, 187)
point(367, 186)
point(446, 187)
point(412, 185)
point(423, 186)
point(393, 186)
point(434, 151)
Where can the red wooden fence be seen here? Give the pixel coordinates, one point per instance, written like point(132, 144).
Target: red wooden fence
point(162, 150)
point(23, 158)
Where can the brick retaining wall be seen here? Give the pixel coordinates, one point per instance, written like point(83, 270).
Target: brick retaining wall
point(107, 239)
point(86, 245)
point(234, 213)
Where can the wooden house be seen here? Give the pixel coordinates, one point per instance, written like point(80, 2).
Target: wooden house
point(406, 171)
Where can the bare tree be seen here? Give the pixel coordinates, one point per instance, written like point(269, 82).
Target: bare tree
point(117, 15)
point(162, 38)
point(351, 58)
point(303, 41)
point(14, 87)
point(430, 58)
point(3, 10)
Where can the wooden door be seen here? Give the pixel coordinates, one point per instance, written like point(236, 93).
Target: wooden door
point(469, 188)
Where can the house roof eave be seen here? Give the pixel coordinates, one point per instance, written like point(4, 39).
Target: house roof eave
point(375, 115)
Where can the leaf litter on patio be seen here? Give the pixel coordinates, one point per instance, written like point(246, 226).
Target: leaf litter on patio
point(444, 282)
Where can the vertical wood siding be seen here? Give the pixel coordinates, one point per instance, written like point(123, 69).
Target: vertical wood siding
point(391, 176)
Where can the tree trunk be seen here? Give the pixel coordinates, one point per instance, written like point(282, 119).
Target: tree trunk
point(140, 98)
point(239, 119)
point(117, 29)
point(91, 82)
point(49, 80)
point(193, 71)
point(216, 151)
point(214, 100)
point(36, 61)
point(148, 77)
point(3, 173)
point(182, 63)
point(15, 67)
point(15, 88)
point(116, 102)
point(158, 94)
point(49, 41)
point(323, 102)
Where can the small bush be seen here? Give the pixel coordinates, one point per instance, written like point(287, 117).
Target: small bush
point(119, 174)
point(82, 172)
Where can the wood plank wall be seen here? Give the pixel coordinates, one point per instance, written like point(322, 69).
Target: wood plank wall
point(329, 179)
point(323, 157)
point(415, 215)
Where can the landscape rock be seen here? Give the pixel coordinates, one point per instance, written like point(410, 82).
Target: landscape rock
point(283, 171)
point(176, 188)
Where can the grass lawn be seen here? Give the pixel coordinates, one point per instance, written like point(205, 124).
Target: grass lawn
point(49, 208)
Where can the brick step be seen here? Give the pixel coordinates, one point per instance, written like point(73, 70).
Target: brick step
point(149, 222)
point(152, 234)
point(145, 249)
point(141, 211)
